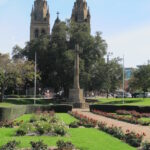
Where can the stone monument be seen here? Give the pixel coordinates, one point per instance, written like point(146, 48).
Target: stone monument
point(76, 97)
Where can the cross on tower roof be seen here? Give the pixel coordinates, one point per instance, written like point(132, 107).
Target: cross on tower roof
point(58, 14)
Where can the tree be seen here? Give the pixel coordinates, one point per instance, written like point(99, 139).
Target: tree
point(44, 59)
point(7, 74)
point(55, 58)
point(25, 73)
point(94, 49)
point(64, 58)
point(106, 77)
point(141, 79)
point(17, 52)
point(15, 73)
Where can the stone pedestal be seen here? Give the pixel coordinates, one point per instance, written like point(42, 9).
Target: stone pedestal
point(76, 98)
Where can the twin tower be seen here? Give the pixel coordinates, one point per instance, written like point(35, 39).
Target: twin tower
point(40, 17)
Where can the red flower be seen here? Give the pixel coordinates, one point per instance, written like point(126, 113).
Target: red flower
point(144, 134)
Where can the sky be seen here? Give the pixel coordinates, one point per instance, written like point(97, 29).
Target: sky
point(125, 25)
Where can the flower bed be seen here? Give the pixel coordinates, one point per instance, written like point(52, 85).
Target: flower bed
point(84, 120)
point(133, 113)
point(61, 145)
point(42, 124)
point(129, 137)
point(130, 119)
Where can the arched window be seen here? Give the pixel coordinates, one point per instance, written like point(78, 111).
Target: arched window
point(36, 33)
point(43, 32)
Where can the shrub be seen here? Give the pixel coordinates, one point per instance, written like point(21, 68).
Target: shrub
point(34, 118)
point(84, 120)
point(43, 123)
point(38, 145)
point(61, 108)
point(74, 124)
point(116, 132)
point(102, 126)
point(133, 139)
point(10, 145)
point(65, 145)
point(60, 129)
point(43, 127)
point(7, 124)
point(24, 129)
point(21, 132)
point(146, 146)
point(86, 124)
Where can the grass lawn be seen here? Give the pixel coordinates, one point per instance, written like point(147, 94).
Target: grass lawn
point(128, 101)
point(6, 105)
point(145, 120)
point(83, 138)
point(25, 101)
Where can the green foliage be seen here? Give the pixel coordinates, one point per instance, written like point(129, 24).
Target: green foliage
point(60, 129)
point(106, 77)
point(10, 145)
point(56, 61)
point(15, 73)
point(43, 123)
point(38, 145)
point(146, 146)
point(74, 124)
point(7, 74)
point(25, 128)
point(43, 127)
point(65, 145)
point(17, 53)
point(141, 79)
point(86, 140)
point(133, 139)
point(10, 113)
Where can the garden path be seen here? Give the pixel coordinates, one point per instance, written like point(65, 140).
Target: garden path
point(124, 125)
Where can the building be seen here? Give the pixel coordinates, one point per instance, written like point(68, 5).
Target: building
point(40, 19)
point(128, 73)
point(128, 76)
point(81, 12)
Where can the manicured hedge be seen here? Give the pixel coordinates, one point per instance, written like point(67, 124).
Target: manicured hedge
point(114, 108)
point(61, 108)
point(56, 108)
point(11, 113)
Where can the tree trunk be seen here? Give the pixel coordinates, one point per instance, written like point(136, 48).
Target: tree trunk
point(1, 94)
point(66, 92)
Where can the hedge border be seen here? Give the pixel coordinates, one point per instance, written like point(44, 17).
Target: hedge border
point(114, 108)
point(11, 113)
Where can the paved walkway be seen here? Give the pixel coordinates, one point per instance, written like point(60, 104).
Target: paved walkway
point(125, 126)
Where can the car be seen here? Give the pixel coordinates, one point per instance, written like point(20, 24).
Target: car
point(126, 95)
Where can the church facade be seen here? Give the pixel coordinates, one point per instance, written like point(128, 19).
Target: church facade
point(40, 17)
point(81, 12)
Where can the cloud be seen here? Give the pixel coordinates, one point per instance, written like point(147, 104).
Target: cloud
point(133, 43)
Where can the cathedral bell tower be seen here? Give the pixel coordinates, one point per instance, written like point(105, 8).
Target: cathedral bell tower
point(80, 12)
point(40, 19)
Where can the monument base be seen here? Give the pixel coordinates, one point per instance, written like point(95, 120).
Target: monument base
point(76, 98)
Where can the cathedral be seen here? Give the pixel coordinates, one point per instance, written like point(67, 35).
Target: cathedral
point(40, 17)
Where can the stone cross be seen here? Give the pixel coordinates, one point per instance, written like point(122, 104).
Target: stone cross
point(76, 67)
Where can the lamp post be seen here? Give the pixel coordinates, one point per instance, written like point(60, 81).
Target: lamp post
point(123, 83)
point(108, 80)
point(35, 72)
